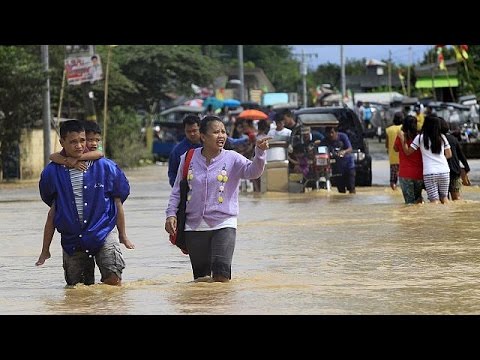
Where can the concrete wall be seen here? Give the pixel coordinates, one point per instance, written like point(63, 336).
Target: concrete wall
point(31, 152)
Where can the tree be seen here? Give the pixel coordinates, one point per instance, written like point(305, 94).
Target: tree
point(469, 72)
point(124, 133)
point(328, 73)
point(356, 66)
point(159, 70)
point(21, 81)
point(276, 61)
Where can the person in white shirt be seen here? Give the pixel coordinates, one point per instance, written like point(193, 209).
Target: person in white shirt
point(281, 132)
point(435, 151)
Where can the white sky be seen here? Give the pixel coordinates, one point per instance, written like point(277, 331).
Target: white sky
point(331, 53)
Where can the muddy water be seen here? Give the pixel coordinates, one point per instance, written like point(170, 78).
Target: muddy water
point(314, 253)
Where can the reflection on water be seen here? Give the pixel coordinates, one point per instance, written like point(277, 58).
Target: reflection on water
point(313, 253)
point(203, 298)
point(97, 299)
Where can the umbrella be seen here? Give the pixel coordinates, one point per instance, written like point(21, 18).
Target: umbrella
point(231, 103)
point(216, 103)
point(253, 114)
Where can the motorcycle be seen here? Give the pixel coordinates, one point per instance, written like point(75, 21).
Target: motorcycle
point(320, 169)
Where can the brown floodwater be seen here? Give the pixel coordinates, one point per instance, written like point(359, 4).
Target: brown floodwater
point(313, 253)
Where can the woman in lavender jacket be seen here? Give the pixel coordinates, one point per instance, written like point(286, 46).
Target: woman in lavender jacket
point(214, 177)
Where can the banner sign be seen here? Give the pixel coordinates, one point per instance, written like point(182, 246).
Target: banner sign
point(81, 69)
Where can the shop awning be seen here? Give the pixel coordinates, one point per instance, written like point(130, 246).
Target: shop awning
point(438, 82)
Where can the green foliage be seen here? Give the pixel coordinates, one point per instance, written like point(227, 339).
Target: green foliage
point(277, 62)
point(21, 81)
point(328, 73)
point(72, 102)
point(124, 139)
point(469, 72)
point(122, 91)
point(157, 70)
point(355, 66)
point(141, 75)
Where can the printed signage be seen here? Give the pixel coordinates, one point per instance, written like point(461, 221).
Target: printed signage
point(81, 69)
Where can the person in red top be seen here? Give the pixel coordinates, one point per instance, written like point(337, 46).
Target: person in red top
point(411, 166)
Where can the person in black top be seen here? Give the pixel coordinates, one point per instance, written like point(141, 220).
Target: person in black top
point(454, 162)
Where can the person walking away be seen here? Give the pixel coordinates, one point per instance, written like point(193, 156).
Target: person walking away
point(420, 116)
point(454, 162)
point(85, 211)
point(410, 166)
point(435, 151)
point(359, 109)
point(367, 116)
point(393, 158)
point(212, 207)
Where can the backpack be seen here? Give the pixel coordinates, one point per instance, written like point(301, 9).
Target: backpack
point(367, 114)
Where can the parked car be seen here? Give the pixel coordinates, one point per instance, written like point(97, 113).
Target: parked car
point(350, 124)
point(168, 130)
point(165, 136)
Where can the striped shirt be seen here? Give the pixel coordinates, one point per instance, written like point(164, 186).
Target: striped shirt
point(76, 177)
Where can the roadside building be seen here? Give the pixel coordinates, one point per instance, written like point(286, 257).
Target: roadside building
point(443, 83)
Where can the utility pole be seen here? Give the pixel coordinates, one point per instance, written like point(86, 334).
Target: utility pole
point(342, 73)
point(303, 72)
point(240, 73)
point(432, 65)
point(46, 108)
point(408, 72)
point(304, 80)
point(390, 73)
point(105, 99)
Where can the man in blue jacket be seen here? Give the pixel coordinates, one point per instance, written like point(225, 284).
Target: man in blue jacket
point(86, 214)
point(191, 125)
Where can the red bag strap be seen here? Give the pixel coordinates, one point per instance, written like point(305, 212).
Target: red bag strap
point(187, 162)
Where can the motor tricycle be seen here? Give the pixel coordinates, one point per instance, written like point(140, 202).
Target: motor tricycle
point(319, 167)
point(310, 161)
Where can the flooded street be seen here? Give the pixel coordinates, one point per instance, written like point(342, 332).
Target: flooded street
point(313, 253)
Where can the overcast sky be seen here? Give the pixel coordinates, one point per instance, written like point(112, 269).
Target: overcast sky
point(331, 53)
